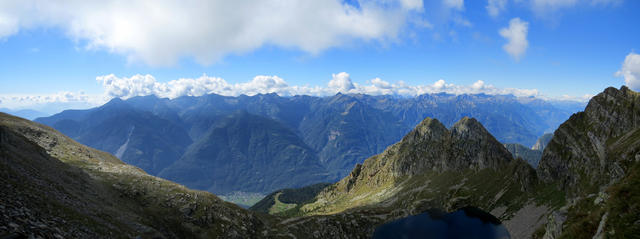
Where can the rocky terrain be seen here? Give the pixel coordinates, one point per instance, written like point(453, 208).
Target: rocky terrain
point(584, 187)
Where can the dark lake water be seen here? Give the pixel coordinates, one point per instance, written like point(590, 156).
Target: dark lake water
point(471, 223)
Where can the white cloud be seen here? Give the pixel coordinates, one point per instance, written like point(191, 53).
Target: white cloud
point(412, 4)
point(140, 85)
point(454, 4)
point(631, 71)
point(494, 7)
point(162, 32)
point(516, 34)
point(341, 82)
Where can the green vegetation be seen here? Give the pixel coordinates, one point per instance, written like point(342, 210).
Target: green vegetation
point(289, 196)
point(279, 206)
point(624, 205)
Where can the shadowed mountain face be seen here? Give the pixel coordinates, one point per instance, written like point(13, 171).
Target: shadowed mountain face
point(246, 152)
point(532, 156)
point(338, 131)
point(137, 137)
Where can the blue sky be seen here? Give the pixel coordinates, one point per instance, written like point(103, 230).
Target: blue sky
point(573, 48)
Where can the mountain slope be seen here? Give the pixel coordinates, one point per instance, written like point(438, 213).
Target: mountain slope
point(593, 156)
point(542, 142)
point(250, 153)
point(429, 153)
point(340, 131)
point(532, 156)
point(137, 137)
point(53, 186)
point(344, 131)
point(595, 147)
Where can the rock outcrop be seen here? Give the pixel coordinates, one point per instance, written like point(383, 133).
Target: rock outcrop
point(594, 148)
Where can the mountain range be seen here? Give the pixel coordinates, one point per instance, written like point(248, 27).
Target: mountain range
point(585, 185)
point(178, 138)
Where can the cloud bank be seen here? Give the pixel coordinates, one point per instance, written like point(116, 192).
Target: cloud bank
point(630, 71)
point(516, 35)
point(142, 85)
point(164, 31)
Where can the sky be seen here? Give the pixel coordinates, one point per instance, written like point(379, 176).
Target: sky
point(78, 54)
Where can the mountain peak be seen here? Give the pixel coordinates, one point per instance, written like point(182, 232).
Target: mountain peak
point(468, 124)
point(430, 125)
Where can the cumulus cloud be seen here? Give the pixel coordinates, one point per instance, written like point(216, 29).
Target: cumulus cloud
point(412, 4)
point(631, 71)
point(141, 85)
point(454, 4)
point(165, 31)
point(494, 7)
point(516, 35)
point(341, 82)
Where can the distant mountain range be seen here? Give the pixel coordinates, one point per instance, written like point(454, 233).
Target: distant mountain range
point(585, 185)
point(25, 113)
point(198, 140)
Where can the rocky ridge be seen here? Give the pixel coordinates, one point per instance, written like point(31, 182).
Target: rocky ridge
point(583, 187)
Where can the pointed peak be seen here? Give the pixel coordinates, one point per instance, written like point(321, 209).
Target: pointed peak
point(623, 93)
point(612, 90)
point(429, 125)
point(624, 88)
point(467, 121)
point(429, 122)
point(468, 124)
point(115, 102)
